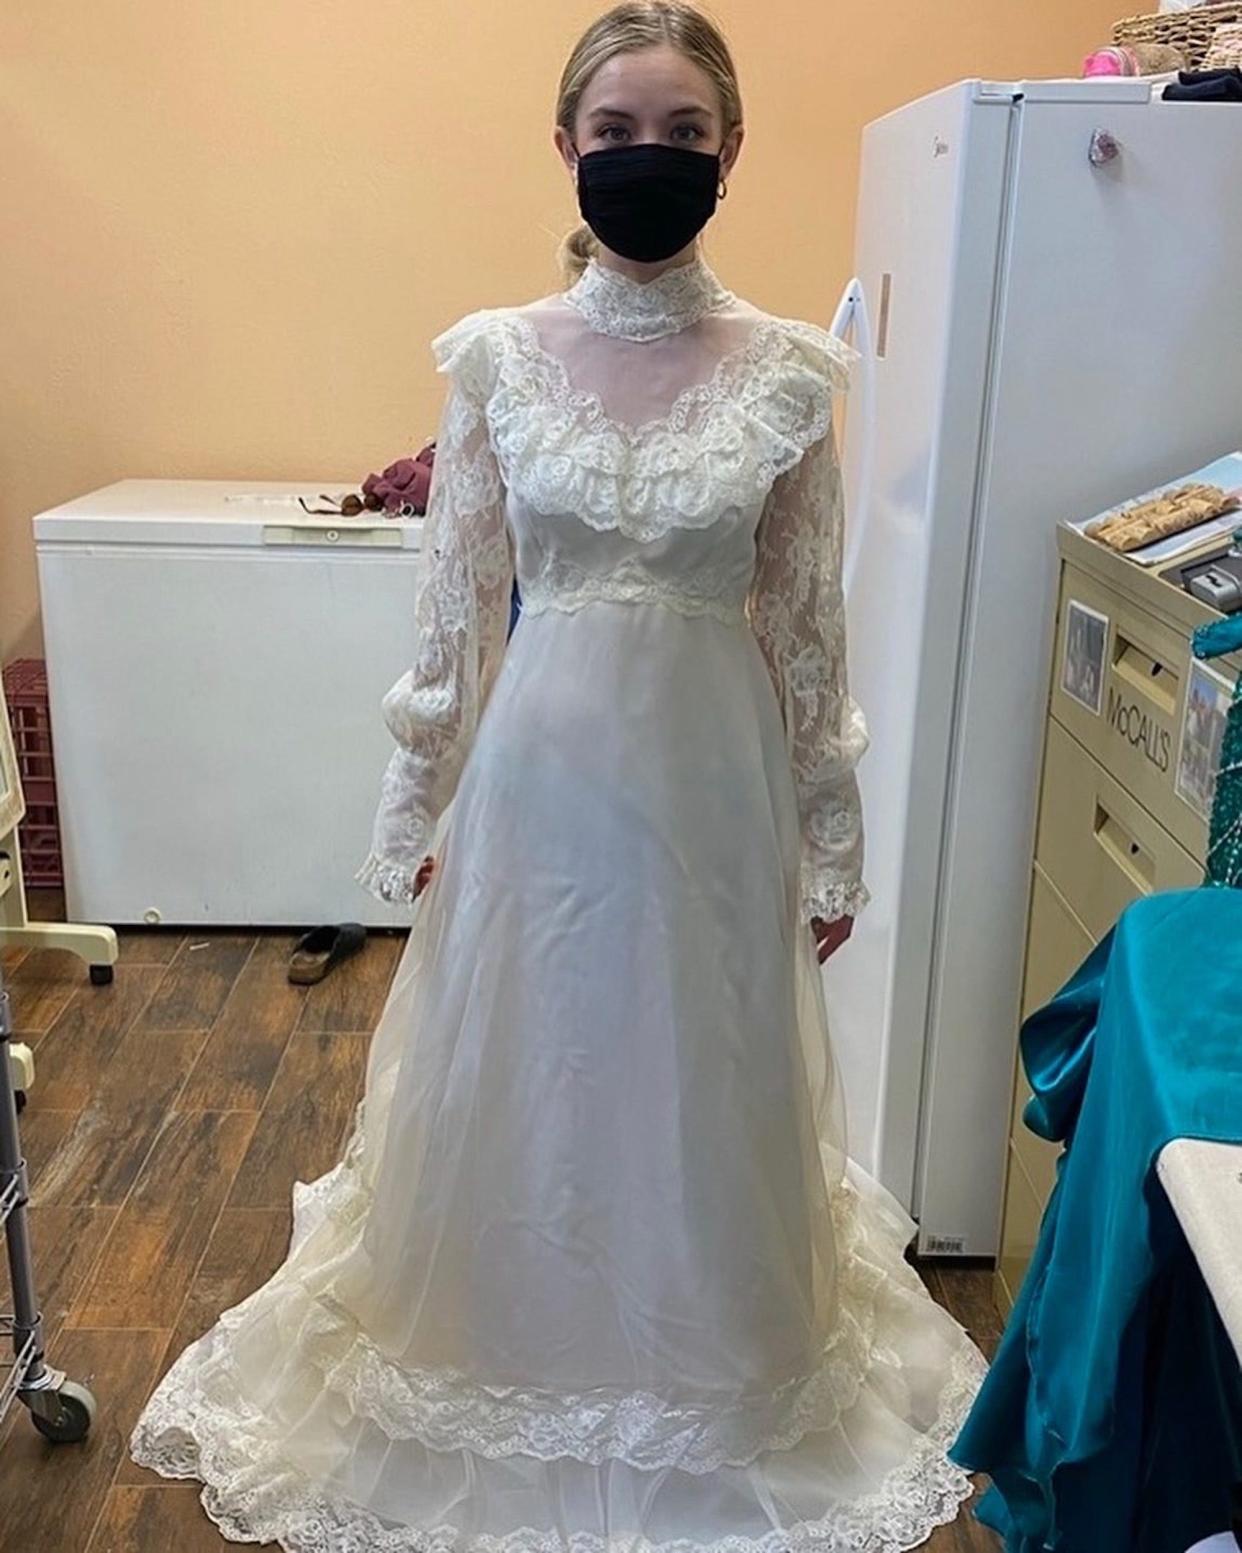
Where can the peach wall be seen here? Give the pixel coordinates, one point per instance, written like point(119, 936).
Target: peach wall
point(230, 229)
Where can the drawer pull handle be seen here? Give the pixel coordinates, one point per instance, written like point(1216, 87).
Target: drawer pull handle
point(1149, 676)
point(1127, 853)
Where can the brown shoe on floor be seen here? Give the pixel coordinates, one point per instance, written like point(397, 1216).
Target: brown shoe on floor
point(316, 952)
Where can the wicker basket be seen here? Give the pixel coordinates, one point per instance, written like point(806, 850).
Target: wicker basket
point(1190, 31)
point(1226, 50)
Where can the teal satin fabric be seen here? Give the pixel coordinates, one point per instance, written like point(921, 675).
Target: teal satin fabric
point(1111, 1419)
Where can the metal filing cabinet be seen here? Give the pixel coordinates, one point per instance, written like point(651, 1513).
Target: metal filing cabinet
point(1120, 815)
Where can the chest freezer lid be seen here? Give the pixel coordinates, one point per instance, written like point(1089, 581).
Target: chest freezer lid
point(258, 513)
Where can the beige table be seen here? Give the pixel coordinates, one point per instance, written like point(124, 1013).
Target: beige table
point(1203, 1181)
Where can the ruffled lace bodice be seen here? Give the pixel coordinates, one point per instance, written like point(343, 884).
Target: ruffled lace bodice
point(664, 444)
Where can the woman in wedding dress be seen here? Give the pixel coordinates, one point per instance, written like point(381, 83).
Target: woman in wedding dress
point(594, 1271)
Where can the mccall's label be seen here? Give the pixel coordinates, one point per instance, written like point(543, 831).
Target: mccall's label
point(1140, 729)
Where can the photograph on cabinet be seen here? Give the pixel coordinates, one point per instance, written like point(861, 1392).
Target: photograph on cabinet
point(1082, 667)
point(1203, 730)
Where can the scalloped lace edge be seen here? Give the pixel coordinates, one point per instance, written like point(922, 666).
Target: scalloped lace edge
point(925, 1491)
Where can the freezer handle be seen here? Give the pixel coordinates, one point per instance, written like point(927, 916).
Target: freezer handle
point(330, 535)
point(853, 316)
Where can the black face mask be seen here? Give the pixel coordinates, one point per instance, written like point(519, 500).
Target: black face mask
point(646, 202)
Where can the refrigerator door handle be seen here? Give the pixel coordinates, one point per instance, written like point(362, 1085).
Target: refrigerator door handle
point(852, 315)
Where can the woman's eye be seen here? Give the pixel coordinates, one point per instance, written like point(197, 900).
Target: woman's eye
point(692, 132)
point(607, 132)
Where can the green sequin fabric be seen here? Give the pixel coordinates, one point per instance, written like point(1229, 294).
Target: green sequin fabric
point(1224, 856)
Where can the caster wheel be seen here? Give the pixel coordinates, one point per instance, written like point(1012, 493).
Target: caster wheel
point(19, 1097)
point(73, 1418)
point(101, 975)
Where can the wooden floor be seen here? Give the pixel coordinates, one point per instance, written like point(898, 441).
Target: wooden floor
point(172, 1112)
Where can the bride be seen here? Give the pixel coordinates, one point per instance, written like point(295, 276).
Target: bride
point(595, 1271)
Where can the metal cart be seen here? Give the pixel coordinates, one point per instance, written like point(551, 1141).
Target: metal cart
point(62, 1410)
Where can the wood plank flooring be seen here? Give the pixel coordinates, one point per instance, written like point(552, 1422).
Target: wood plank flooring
point(172, 1112)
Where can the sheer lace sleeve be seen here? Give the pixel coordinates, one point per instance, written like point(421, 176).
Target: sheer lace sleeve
point(462, 612)
point(797, 610)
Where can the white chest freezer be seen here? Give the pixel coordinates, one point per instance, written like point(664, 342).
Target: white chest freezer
point(216, 659)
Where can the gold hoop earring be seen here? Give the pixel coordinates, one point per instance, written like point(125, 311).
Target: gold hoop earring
point(722, 188)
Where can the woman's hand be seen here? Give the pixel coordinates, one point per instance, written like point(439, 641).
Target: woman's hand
point(423, 877)
point(829, 936)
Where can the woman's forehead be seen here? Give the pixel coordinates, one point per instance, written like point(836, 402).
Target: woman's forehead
point(657, 79)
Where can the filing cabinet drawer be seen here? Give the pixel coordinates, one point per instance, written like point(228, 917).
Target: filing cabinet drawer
point(1140, 693)
point(1039, 1156)
point(1099, 847)
point(1057, 945)
point(1023, 1214)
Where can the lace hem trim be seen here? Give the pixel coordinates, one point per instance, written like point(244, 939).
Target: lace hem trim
point(253, 1498)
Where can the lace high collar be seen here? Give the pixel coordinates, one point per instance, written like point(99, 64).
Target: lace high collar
point(614, 304)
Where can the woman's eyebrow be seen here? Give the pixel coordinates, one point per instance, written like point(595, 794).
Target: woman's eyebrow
point(622, 113)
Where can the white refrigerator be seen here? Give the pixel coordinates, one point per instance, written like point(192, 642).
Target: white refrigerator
point(1049, 306)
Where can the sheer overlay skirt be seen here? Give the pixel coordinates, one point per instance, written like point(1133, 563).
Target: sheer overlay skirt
point(594, 1271)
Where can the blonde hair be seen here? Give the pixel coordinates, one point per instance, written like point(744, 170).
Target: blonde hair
point(626, 28)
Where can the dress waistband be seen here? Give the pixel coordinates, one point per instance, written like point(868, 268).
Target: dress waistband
point(539, 598)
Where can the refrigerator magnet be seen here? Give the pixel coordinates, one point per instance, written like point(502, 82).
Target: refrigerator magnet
point(1208, 695)
point(1082, 661)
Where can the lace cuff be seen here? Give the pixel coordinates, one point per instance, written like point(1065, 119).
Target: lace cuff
point(387, 881)
point(830, 898)
point(403, 832)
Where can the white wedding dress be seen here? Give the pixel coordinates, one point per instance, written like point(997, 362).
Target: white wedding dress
point(595, 1272)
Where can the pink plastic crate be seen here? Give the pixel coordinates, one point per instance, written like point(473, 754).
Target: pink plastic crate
point(25, 691)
